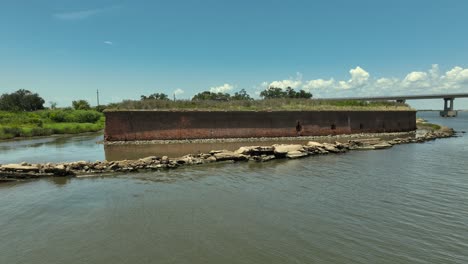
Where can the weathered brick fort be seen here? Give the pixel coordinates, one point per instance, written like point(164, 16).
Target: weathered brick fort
point(132, 125)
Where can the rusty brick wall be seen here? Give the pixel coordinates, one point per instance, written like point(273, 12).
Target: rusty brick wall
point(149, 125)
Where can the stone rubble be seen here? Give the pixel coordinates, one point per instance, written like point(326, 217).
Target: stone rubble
point(249, 153)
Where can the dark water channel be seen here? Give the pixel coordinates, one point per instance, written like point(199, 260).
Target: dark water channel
point(407, 204)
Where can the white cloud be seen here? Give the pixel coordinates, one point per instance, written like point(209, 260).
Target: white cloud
point(359, 77)
point(386, 83)
point(82, 14)
point(285, 84)
point(291, 82)
point(108, 42)
point(77, 15)
point(222, 89)
point(417, 80)
point(416, 77)
point(179, 91)
point(361, 83)
point(457, 75)
point(434, 72)
point(319, 84)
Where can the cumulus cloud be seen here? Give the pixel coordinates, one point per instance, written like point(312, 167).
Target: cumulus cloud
point(385, 83)
point(291, 82)
point(319, 84)
point(178, 91)
point(361, 83)
point(222, 89)
point(417, 80)
point(457, 75)
point(359, 77)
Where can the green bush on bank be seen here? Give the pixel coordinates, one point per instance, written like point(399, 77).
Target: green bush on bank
point(72, 116)
point(48, 122)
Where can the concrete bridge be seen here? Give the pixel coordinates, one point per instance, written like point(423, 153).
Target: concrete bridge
point(448, 100)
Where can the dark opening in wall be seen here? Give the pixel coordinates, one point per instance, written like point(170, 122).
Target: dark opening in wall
point(383, 125)
point(361, 126)
point(298, 126)
point(333, 126)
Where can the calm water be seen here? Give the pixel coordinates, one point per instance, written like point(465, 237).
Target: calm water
point(408, 204)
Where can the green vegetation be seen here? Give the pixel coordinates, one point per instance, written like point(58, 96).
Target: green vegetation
point(423, 124)
point(273, 99)
point(155, 96)
point(21, 100)
point(206, 95)
point(273, 92)
point(280, 104)
point(81, 105)
point(48, 122)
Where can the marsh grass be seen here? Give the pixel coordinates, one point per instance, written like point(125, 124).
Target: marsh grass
point(423, 124)
point(48, 122)
point(285, 104)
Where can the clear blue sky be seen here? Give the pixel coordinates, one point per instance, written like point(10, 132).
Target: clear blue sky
point(66, 49)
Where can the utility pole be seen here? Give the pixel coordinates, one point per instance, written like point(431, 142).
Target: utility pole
point(174, 97)
point(97, 95)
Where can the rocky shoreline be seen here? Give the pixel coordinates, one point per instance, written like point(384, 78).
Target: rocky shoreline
point(11, 172)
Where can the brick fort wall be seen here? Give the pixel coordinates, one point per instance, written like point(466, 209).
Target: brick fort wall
point(164, 125)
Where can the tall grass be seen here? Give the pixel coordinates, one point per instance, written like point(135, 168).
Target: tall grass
point(48, 122)
point(287, 104)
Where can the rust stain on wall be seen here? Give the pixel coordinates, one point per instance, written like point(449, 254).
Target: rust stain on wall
point(162, 125)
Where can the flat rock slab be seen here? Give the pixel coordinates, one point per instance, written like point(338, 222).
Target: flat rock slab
point(296, 154)
point(18, 167)
point(314, 144)
point(255, 150)
point(286, 148)
point(382, 145)
point(229, 155)
point(365, 148)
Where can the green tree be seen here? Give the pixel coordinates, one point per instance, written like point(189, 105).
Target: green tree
point(304, 94)
point(21, 100)
point(207, 95)
point(241, 95)
point(155, 96)
point(81, 105)
point(275, 92)
point(53, 105)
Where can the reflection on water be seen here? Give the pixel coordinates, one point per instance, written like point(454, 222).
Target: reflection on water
point(59, 148)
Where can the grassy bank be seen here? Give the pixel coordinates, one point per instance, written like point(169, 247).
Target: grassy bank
point(423, 124)
point(285, 104)
point(48, 122)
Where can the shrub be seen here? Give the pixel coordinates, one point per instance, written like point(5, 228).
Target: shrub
point(83, 116)
point(81, 105)
point(57, 115)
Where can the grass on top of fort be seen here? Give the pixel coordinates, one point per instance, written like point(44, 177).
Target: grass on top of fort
point(284, 104)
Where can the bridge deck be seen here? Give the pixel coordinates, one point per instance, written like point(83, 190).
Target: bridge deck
point(401, 97)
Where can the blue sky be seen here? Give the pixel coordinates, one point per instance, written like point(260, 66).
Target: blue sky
point(66, 49)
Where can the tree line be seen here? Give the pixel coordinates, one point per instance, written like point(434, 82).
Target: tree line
point(269, 93)
point(25, 100)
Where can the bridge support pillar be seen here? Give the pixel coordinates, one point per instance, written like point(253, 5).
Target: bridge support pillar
point(448, 108)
